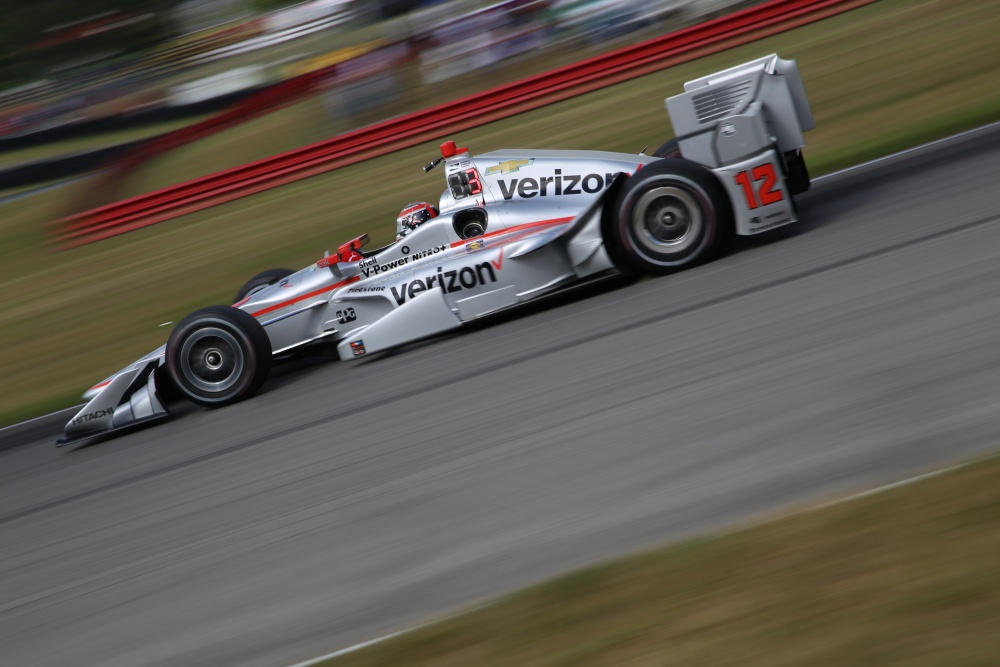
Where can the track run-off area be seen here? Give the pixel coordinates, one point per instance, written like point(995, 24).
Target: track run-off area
point(347, 501)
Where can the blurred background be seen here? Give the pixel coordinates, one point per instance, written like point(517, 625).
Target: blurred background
point(859, 349)
point(97, 81)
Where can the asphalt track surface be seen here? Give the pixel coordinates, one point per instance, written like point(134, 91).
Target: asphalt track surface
point(347, 501)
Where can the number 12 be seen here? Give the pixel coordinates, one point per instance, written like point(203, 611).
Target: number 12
point(766, 194)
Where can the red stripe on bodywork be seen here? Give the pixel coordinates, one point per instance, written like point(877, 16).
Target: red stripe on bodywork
point(509, 230)
point(514, 229)
point(303, 297)
point(100, 385)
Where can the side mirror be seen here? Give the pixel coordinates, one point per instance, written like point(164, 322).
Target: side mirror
point(349, 252)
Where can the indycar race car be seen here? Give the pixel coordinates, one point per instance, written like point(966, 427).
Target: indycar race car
point(511, 225)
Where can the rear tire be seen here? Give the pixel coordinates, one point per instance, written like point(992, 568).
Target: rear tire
point(796, 172)
point(668, 216)
point(217, 356)
point(671, 149)
point(260, 281)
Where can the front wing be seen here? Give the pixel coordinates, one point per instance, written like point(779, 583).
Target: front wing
point(127, 400)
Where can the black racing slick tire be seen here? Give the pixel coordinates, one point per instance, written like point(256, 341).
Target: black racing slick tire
point(260, 281)
point(668, 216)
point(796, 173)
point(217, 356)
point(670, 148)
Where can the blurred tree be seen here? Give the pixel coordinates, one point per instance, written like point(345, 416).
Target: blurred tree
point(270, 5)
point(37, 36)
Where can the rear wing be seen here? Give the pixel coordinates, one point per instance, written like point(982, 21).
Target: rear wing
point(726, 117)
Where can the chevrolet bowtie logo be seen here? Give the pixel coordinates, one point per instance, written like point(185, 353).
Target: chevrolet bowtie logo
point(509, 166)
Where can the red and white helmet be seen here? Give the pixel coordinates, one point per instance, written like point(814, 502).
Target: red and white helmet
point(413, 216)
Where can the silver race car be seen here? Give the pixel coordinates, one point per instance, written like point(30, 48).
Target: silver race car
point(511, 226)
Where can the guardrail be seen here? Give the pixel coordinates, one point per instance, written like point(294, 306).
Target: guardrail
point(263, 101)
point(421, 126)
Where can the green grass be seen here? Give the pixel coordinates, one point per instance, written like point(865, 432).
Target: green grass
point(296, 125)
point(880, 78)
point(908, 577)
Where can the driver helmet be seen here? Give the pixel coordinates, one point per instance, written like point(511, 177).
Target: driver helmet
point(413, 216)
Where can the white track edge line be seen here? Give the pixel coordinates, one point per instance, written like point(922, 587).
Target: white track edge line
point(736, 529)
point(887, 487)
point(34, 419)
point(351, 649)
point(907, 151)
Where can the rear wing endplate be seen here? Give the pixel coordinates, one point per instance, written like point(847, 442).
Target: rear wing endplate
point(724, 118)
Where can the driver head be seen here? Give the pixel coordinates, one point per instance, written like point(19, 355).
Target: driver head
point(413, 216)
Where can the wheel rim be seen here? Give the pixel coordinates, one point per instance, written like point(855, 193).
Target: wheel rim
point(667, 220)
point(211, 360)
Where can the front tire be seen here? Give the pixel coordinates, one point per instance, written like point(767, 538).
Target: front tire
point(260, 281)
point(668, 216)
point(217, 356)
